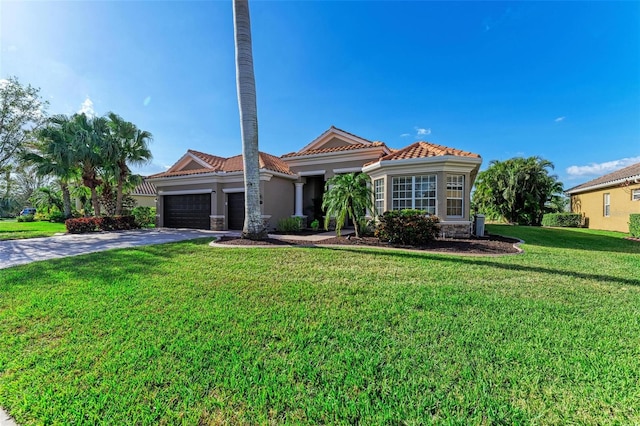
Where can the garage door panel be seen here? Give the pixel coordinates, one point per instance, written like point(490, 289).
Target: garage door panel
point(187, 211)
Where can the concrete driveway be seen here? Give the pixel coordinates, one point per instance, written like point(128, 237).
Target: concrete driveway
point(19, 252)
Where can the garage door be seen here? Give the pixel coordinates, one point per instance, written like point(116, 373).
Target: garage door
point(235, 204)
point(187, 211)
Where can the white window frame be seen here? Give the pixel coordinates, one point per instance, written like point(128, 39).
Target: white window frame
point(378, 196)
point(635, 194)
point(459, 187)
point(410, 202)
point(606, 199)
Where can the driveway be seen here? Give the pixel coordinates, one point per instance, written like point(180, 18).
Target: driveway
point(19, 252)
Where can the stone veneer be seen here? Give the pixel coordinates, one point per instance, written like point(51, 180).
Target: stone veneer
point(216, 223)
point(454, 230)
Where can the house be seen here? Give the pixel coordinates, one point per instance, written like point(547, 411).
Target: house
point(206, 191)
point(606, 202)
point(144, 194)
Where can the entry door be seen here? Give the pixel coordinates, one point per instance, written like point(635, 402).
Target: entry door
point(235, 207)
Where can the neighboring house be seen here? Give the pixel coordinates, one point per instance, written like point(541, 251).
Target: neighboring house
point(144, 194)
point(205, 191)
point(607, 202)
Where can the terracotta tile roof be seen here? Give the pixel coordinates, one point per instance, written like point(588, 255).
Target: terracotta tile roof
point(145, 188)
point(334, 149)
point(228, 165)
point(423, 150)
point(619, 176)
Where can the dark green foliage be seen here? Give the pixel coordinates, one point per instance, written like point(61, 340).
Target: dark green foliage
point(568, 220)
point(409, 227)
point(290, 224)
point(57, 217)
point(347, 196)
point(518, 190)
point(315, 224)
point(144, 216)
point(634, 225)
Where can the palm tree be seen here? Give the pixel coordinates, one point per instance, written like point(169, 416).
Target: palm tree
point(54, 156)
point(129, 145)
point(345, 196)
point(253, 227)
point(89, 135)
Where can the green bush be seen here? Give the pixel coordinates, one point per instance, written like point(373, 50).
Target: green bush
point(289, 224)
point(315, 225)
point(409, 227)
point(57, 217)
point(145, 216)
point(26, 218)
point(566, 220)
point(634, 225)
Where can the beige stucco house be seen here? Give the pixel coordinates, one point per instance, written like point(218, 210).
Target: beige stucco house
point(606, 202)
point(144, 194)
point(205, 191)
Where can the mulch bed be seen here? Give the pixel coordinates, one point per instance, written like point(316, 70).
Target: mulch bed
point(493, 244)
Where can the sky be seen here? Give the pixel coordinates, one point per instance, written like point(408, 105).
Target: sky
point(560, 80)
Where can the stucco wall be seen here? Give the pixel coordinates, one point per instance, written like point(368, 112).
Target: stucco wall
point(591, 205)
point(278, 199)
point(145, 200)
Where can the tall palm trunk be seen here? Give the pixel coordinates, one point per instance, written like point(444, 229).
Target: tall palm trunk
point(66, 199)
point(253, 226)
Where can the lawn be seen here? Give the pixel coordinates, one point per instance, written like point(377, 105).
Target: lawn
point(10, 229)
point(187, 334)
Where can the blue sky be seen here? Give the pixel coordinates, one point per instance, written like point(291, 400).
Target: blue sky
point(556, 79)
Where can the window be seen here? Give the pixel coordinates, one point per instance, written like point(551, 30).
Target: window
point(635, 195)
point(455, 195)
point(378, 195)
point(414, 192)
point(607, 204)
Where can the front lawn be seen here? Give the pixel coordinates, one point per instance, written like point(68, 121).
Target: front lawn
point(10, 229)
point(187, 334)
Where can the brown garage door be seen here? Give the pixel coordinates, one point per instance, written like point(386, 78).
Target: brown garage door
point(235, 204)
point(187, 211)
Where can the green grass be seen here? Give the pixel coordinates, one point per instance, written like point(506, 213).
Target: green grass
point(10, 229)
point(187, 334)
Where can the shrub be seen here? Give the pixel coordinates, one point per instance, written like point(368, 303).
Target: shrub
point(57, 217)
point(26, 218)
point(144, 216)
point(82, 225)
point(92, 224)
point(567, 220)
point(289, 224)
point(634, 225)
point(315, 225)
point(409, 227)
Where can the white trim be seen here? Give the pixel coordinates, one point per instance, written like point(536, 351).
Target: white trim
point(312, 173)
point(232, 190)
point(348, 170)
point(635, 194)
point(216, 216)
point(451, 161)
point(368, 153)
point(332, 131)
point(602, 185)
point(186, 192)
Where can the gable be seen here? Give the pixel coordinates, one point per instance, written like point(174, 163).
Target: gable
point(333, 138)
point(191, 165)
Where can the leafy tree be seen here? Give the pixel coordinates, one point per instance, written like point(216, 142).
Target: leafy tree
point(253, 226)
point(21, 112)
point(128, 145)
point(46, 199)
point(518, 190)
point(347, 195)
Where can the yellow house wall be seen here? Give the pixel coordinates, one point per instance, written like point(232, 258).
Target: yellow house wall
point(591, 205)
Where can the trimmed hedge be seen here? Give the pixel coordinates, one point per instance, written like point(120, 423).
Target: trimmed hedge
point(408, 227)
point(289, 224)
point(566, 220)
point(634, 225)
point(83, 225)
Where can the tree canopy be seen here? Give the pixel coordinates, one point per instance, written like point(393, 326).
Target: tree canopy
point(518, 190)
point(347, 195)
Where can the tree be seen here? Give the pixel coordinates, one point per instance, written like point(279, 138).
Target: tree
point(53, 155)
point(253, 226)
point(21, 112)
point(518, 190)
point(129, 145)
point(347, 195)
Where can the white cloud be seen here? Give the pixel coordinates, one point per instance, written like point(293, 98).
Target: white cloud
point(598, 169)
point(422, 131)
point(87, 108)
point(404, 135)
point(559, 119)
point(146, 101)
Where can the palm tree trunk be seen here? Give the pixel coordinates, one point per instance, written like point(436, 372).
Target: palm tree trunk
point(95, 201)
point(119, 197)
point(253, 226)
point(66, 199)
